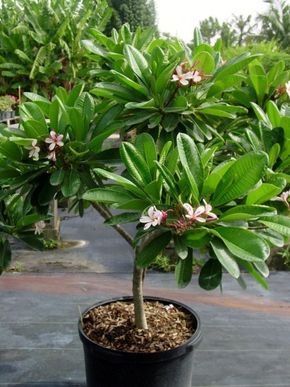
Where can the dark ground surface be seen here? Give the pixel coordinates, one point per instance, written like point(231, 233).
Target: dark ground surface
point(246, 334)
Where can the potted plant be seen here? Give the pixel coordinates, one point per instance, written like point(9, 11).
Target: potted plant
point(179, 195)
point(7, 103)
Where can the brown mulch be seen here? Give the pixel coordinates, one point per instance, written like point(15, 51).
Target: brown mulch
point(112, 326)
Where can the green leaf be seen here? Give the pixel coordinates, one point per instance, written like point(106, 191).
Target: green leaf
point(107, 195)
point(136, 60)
point(274, 154)
point(250, 268)
point(234, 65)
point(242, 175)
point(225, 258)
point(245, 212)
point(154, 247)
point(125, 217)
point(278, 223)
point(210, 275)
point(146, 146)
point(183, 270)
point(273, 114)
point(57, 177)
point(263, 193)
point(135, 164)
point(128, 82)
point(243, 243)
point(262, 268)
point(28, 220)
point(191, 162)
point(204, 62)
point(260, 114)
point(180, 247)
point(71, 183)
point(168, 180)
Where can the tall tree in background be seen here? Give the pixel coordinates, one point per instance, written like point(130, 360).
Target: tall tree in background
point(243, 28)
point(209, 28)
point(276, 22)
point(135, 12)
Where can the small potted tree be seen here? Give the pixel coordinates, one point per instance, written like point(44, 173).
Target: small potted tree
point(7, 103)
point(180, 196)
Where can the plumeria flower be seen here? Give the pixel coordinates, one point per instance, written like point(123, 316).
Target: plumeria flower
point(207, 210)
point(54, 140)
point(154, 218)
point(39, 226)
point(34, 150)
point(283, 198)
point(196, 77)
point(194, 214)
point(182, 78)
point(287, 87)
point(52, 156)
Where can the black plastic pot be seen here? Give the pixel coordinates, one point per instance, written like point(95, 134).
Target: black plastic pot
point(111, 368)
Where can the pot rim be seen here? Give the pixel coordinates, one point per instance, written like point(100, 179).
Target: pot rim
point(194, 340)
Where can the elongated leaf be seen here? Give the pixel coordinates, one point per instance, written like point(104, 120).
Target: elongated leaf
point(278, 223)
point(127, 184)
point(234, 65)
point(135, 164)
point(210, 275)
point(183, 270)
point(136, 60)
point(128, 82)
point(242, 175)
point(225, 258)
point(146, 145)
point(262, 268)
point(263, 193)
point(152, 249)
point(243, 243)
point(191, 162)
point(71, 183)
point(273, 114)
point(180, 247)
point(125, 217)
point(57, 177)
point(256, 275)
point(168, 179)
point(107, 195)
point(247, 212)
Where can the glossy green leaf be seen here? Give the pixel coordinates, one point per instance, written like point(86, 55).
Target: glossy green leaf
point(263, 193)
point(278, 223)
point(136, 60)
point(107, 195)
point(242, 175)
point(125, 217)
point(225, 258)
point(183, 270)
point(57, 177)
point(254, 273)
point(150, 251)
point(71, 183)
point(243, 243)
point(135, 164)
point(210, 275)
point(246, 212)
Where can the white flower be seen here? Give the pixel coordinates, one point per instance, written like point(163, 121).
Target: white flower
point(154, 218)
point(54, 140)
point(181, 77)
point(34, 150)
point(208, 209)
point(39, 226)
point(194, 214)
point(196, 77)
point(287, 87)
point(52, 156)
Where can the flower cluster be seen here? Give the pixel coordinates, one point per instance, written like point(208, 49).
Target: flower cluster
point(55, 143)
point(184, 220)
point(185, 75)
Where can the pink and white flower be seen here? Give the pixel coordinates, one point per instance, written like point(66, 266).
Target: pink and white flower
point(287, 88)
point(194, 214)
point(181, 77)
point(52, 156)
point(283, 198)
point(207, 211)
point(34, 150)
point(154, 218)
point(39, 227)
point(196, 77)
point(55, 140)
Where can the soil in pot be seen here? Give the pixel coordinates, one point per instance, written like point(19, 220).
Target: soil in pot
point(112, 326)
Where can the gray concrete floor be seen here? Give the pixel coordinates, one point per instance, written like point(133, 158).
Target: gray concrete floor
point(246, 334)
